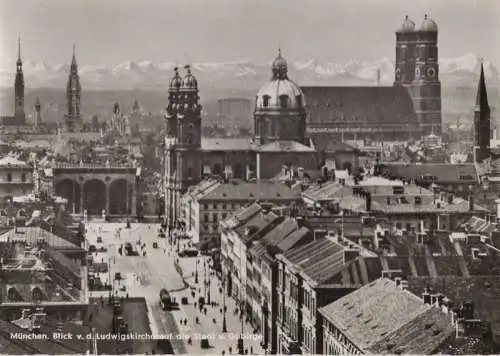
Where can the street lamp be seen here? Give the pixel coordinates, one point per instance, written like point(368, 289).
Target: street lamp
point(196, 272)
point(224, 326)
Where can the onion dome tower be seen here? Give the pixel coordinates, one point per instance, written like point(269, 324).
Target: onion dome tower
point(405, 52)
point(19, 89)
point(73, 95)
point(426, 85)
point(280, 107)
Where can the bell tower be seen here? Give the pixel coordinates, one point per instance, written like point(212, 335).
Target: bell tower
point(426, 87)
point(405, 52)
point(19, 113)
point(188, 132)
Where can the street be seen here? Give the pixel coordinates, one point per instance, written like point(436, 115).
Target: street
point(145, 276)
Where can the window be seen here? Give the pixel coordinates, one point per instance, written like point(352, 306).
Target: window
point(284, 101)
point(265, 100)
point(418, 200)
point(205, 217)
point(298, 99)
point(23, 177)
point(9, 177)
point(190, 172)
point(397, 190)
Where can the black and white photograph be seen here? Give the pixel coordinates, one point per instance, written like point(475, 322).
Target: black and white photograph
point(249, 177)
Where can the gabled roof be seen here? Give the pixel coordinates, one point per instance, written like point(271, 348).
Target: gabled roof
point(293, 238)
point(381, 311)
point(260, 222)
point(242, 216)
point(318, 260)
point(285, 146)
point(278, 233)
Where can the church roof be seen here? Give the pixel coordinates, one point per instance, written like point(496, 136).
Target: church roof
point(386, 105)
point(227, 144)
point(285, 146)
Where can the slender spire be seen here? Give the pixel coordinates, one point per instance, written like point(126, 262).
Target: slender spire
point(73, 60)
point(19, 61)
point(482, 94)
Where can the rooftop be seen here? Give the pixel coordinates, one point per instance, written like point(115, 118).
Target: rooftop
point(318, 260)
point(253, 191)
point(442, 172)
point(381, 314)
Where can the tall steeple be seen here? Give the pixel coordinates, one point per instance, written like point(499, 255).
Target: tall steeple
point(73, 95)
point(38, 115)
point(19, 88)
point(482, 130)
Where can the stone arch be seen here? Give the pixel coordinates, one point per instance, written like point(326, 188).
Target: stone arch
point(13, 295)
point(94, 196)
point(70, 190)
point(36, 294)
point(118, 195)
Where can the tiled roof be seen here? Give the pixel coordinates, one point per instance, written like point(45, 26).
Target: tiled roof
point(319, 260)
point(32, 235)
point(444, 172)
point(327, 191)
point(374, 105)
point(260, 222)
point(278, 233)
point(227, 144)
point(285, 146)
point(261, 190)
point(289, 241)
point(421, 336)
point(377, 312)
point(484, 291)
point(242, 215)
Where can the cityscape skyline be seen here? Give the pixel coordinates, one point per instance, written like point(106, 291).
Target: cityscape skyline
point(193, 31)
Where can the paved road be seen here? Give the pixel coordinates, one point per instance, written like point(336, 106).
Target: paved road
point(144, 276)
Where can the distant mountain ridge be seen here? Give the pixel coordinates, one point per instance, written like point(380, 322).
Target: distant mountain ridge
point(459, 71)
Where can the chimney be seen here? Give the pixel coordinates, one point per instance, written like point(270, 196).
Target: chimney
point(426, 296)
point(471, 203)
point(468, 310)
point(498, 210)
point(368, 201)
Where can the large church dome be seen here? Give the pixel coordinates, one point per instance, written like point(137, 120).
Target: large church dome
point(280, 92)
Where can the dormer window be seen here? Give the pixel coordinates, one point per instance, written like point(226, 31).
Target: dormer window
point(265, 100)
point(284, 101)
point(418, 200)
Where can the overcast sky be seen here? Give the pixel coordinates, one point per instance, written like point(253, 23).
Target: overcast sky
point(107, 32)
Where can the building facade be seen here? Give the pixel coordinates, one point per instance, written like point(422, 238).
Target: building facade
point(279, 137)
point(16, 178)
point(410, 108)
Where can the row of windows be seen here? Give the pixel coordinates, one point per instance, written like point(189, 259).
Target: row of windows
point(9, 177)
point(221, 206)
point(283, 99)
point(214, 217)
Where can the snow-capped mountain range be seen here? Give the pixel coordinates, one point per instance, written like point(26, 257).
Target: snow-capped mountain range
point(129, 74)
